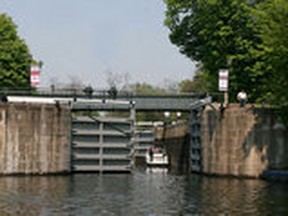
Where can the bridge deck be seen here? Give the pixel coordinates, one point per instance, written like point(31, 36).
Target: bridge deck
point(140, 103)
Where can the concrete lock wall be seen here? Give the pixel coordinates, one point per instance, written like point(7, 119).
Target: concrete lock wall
point(175, 139)
point(242, 141)
point(34, 139)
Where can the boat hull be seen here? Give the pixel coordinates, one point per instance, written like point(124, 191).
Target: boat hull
point(158, 160)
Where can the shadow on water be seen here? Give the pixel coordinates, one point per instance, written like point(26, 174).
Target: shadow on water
point(144, 192)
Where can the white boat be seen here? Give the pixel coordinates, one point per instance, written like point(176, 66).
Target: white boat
point(157, 169)
point(157, 158)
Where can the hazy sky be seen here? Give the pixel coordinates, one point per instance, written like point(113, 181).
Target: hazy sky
point(83, 39)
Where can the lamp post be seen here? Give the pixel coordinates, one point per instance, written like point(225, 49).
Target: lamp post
point(166, 115)
point(178, 115)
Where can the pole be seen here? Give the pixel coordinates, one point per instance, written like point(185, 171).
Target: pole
point(226, 98)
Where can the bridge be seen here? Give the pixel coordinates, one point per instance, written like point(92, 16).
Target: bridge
point(180, 102)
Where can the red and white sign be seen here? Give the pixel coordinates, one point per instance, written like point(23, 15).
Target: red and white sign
point(223, 80)
point(35, 76)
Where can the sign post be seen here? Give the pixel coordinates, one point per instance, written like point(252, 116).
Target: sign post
point(224, 84)
point(35, 76)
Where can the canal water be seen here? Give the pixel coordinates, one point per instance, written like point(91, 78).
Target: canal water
point(144, 192)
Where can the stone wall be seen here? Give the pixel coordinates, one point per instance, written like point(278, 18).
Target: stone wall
point(175, 139)
point(34, 139)
point(242, 141)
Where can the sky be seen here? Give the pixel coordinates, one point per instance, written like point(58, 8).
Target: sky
point(86, 40)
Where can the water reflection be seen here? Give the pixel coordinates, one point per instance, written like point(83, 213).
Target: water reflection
point(141, 193)
point(32, 195)
point(225, 196)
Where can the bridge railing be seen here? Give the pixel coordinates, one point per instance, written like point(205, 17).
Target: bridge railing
point(88, 92)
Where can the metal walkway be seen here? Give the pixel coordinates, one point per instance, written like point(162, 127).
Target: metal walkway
point(142, 103)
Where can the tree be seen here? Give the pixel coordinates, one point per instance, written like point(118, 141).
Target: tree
point(117, 80)
point(147, 89)
point(199, 83)
point(15, 58)
point(273, 18)
point(218, 34)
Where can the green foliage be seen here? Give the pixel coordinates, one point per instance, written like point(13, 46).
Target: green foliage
point(15, 59)
point(249, 37)
point(218, 34)
point(147, 89)
point(199, 83)
point(273, 18)
point(187, 86)
point(149, 116)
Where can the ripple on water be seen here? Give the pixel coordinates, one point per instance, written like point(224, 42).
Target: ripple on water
point(140, 193)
